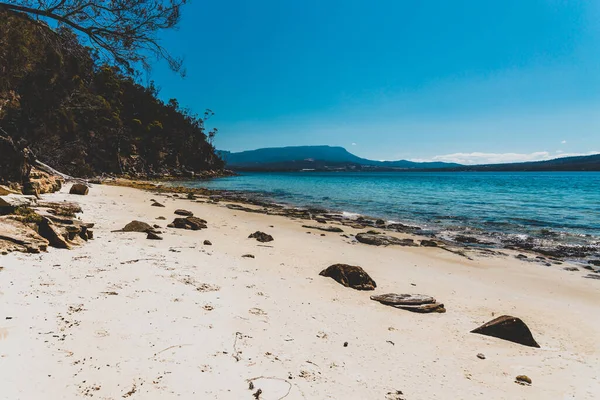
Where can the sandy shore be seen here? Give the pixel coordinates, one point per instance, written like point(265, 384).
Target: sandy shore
point(127, 317)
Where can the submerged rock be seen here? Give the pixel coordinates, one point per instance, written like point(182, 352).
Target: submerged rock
point(350, 276)
point(261, 237)
point(508, 328)
point(383, 240)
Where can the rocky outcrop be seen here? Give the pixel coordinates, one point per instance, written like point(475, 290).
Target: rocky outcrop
point(508, 328)
point(429, 243)
point(79, 189)
point(41, 182)
point(350, 276)
point(383, 240)
point(418, 303)
point(16, 235)
point(261, 237)
point(12, 201)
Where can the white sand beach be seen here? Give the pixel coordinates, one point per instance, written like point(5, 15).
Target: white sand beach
point(127, 317)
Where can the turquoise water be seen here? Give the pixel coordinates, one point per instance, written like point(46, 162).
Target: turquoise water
point(563, 206)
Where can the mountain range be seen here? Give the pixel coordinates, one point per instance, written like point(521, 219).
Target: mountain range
point(297, 158)
point(335, 158)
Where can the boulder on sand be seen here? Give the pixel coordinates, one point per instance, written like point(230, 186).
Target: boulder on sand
point(350, 276)
point(193, 223)
point(137, 226)
point(508, 328)
point(153, 236)
point(80, 189)
point(261, 237)
point(419, 303)
point(185, 213)
point(383, 240)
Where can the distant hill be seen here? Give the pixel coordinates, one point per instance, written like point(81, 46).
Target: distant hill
point(579, 163)
point(297, 158)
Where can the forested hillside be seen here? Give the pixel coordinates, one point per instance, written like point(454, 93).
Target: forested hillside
point(85, 118)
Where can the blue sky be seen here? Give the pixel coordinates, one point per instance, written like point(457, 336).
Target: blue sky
point(467, 81)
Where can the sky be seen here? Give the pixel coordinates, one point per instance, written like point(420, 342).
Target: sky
point(460, 81)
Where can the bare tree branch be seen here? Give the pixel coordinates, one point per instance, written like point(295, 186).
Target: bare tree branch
point(124, 32)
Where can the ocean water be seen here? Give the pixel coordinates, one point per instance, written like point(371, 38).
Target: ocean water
point(563, 207)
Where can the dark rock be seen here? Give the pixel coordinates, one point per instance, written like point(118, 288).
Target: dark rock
point(321, 220)
point(508, 328)
point(153, 236)
point(521, 256)
point(481, 356)
point(185, 213)
point(193, 223)
point(196, 223)
point(469, 240)
point(429, 243)
point(161, 218)
point(261, 237)
point(207, 243)
point(80, 189)
point(594, 262)
point(380, 222)
point(350, 276)
point(345, 344)
point(592, 276)
point(137, 226)
point(157, 204)
point(383, 240)
point(571, 269)
point(324, 228)
point(247, 256)
point(403, 228)
point(523, 380)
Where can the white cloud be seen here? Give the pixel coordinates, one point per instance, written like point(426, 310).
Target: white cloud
point(564, 141)
point(500, 158)
point(353, 144)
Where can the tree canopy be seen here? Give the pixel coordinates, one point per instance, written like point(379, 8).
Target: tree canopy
point(86, 118)
point(124, 32)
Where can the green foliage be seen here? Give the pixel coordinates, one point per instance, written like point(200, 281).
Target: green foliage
point(86, 119)
point(26, 214)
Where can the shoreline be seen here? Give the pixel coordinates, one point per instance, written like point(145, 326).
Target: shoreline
point(123, 316)
point(584, 255)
